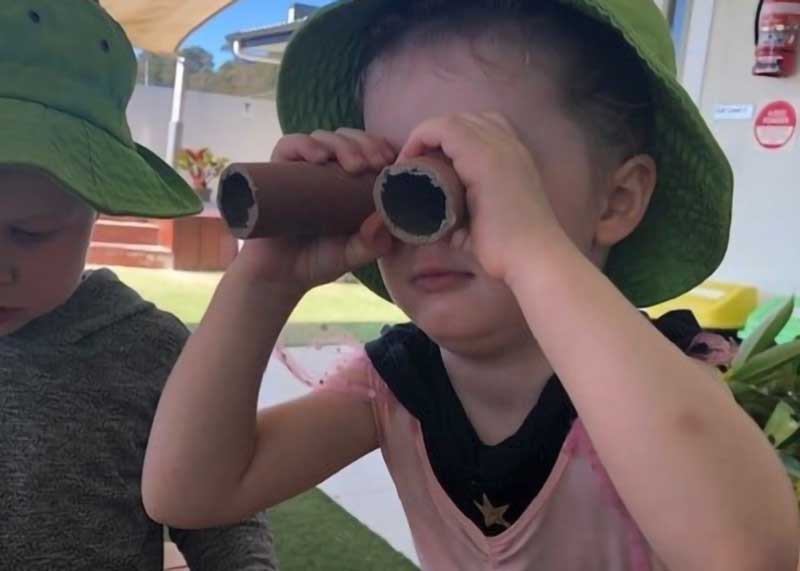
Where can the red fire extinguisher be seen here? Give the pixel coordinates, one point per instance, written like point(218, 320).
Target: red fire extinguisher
point(777, 30)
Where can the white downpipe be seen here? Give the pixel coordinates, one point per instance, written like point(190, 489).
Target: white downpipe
point(695, 52)
point(175, 134)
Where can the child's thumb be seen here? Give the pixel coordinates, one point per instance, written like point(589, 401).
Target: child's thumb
point(372, 241)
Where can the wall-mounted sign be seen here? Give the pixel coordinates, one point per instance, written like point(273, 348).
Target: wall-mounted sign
point(776, 124)
point(733, 112)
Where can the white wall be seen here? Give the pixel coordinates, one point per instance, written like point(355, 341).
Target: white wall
point(242, 129)
point(765, 245)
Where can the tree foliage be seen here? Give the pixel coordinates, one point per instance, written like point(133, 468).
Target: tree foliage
point(233, 77)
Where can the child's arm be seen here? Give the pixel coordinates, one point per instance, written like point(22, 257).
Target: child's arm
point(211, 460)
point(695, 472)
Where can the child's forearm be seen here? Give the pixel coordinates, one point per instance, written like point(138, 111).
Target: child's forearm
point(695, 472)
point(204, 434)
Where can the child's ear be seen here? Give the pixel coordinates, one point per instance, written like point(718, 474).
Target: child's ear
point(627, 199)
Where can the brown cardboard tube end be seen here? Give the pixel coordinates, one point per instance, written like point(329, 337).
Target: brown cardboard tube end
point(236, 202)
point(421, 217)
point(420, 201)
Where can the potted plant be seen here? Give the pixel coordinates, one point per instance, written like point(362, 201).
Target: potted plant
point(765, 380)
point(202, 167)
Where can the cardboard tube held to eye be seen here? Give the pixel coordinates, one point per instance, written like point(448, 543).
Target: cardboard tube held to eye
point(419, 200)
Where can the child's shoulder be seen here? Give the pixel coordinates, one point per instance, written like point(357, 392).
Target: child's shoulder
point(139, 306)
point(129, 338)
point(109, 310)
point(409, 364)
point(401, 337)
point(105, 330)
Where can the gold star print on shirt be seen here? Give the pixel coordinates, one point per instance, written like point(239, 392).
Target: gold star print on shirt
point(492, 515)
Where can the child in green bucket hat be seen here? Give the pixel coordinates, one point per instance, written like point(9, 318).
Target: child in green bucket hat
point(530, 417)
point(83, 358)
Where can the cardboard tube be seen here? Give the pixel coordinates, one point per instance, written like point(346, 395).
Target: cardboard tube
point(268, 200)
point(420, 201)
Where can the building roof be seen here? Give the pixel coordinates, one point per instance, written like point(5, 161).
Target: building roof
point(268, 43)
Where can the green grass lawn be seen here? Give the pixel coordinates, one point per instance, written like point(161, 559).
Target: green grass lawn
point(312, 533)
point(330, 312)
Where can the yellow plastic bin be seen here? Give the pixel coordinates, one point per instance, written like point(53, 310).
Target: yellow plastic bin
point(721, 307)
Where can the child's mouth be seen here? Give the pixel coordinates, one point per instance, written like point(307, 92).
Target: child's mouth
point(440, 280)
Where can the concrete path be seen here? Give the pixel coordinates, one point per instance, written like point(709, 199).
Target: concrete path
point(364, 488)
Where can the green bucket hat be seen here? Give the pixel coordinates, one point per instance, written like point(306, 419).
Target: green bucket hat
point(68, 73)
point(684, 235)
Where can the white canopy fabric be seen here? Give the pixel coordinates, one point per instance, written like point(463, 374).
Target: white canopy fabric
point(161, 25)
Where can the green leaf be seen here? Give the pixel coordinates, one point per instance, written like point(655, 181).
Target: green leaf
point(782, 382)
point(782, 424)
point(742, 390)
point(764, 335)
point(791, 445)
point(758, 368)
point(756, 404)
point(792, 465)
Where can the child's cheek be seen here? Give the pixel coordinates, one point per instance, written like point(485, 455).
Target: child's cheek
point(58, 266)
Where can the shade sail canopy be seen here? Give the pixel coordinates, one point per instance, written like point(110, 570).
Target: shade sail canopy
point(161, 25)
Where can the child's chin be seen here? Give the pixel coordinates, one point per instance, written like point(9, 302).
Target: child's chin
point(10, 328)
point(455, 326)
point(12, 323)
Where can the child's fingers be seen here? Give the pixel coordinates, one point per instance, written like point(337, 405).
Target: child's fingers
point(299, 147)
point(450, 133)
point(347, 152)
point(372, 228)
point(353, 149)
point(455, 134)
point(366, 146)
point(377, 150)
point(491, 120)
point(461, 240)
point(372, 241)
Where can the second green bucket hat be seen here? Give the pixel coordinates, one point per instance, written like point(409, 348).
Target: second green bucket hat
point(684, 235)
point(68, 72)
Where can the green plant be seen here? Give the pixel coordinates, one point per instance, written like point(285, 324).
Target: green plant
point(765, 380)
point(202, 167)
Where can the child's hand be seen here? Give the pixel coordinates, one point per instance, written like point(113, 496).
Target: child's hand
point(303, 264)
point(354, 150)
point(509, 211)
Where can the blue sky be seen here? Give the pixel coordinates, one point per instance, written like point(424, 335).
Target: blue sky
point(243, 15)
